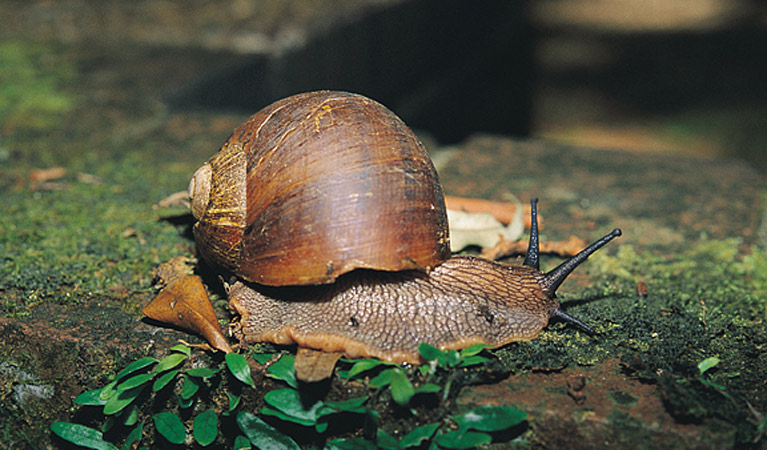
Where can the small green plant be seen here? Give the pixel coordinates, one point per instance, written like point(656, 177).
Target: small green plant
point(194, 418)
point(703, 367)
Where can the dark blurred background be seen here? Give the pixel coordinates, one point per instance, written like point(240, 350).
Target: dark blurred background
point(656, 76)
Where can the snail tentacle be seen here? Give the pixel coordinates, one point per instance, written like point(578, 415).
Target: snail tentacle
point(531, 258)
point(554, 278)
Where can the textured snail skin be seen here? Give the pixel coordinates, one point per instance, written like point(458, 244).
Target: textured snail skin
point(386, 315)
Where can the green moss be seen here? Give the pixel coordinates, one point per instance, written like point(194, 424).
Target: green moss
point(33, 82)
point(708, 301)
point(623, 398)
point(83, 241)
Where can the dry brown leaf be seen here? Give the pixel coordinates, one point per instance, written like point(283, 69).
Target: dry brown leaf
point(44, 175)
point(313, 365)
point(184, 303)
point(503, 212)
point(479, 229)
point(566, 248)
point(180, 198)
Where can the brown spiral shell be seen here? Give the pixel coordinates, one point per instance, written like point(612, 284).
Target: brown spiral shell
point(317, 185)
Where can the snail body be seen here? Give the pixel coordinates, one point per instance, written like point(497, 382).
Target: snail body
point(329, 211)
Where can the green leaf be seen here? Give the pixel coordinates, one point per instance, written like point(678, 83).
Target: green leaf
point(288, 401)
point(418, 435)
point(473, 360)
point(707, 363)
point(382, 379)
point(184, 403)
point(190, 387)
point(350, 444)
point(169, 362)
point(385, 441)
point(452, 358)
point(135, 381)
point(234, 400)
point(473, 350)
point(429, 352)
point(263, 358)
point(205, 427)
point(135, 366)
point(241, 443)
point(490, 418)
point(108, 424)
point(91, 398)
point(181, 348)
point(170, 427)
point(463, 439)
point(81, 435)
point(428, 388)
point(109, 390)
point(117, 402)
point(130, 415)
point(364, 365)
point(401, 388)
point(262, 435)
point(133, 437)
point(201, 372)
point(283, 369)
point(164, 379)
point(353, 405)
point(238, 366)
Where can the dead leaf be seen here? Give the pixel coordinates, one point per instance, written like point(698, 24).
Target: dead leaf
point(313, 365)
point(480, 229)
point(180, 198)
point(88, 178)
point(504, 249)
point(504, 212)
point(44, 175)
point(184, 303)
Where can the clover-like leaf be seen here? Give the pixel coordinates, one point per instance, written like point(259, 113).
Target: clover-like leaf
point(490, 418)
point(121, 399)
point(239, 367)
point(463, 439)
point(288, 402)
point(81, 435)
point(402, 389)
point(164, 379)
point(418, 436)
point(283, 369)
point(205, 427)
point(263, 435)
point(170, 427)
point(90, 398)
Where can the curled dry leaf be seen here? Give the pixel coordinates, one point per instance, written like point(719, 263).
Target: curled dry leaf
point(504, 212)
point(184, 303)
point(479, 229)
point(45, 175)
point(313, 365)
point(506, 248)
point(180, 198)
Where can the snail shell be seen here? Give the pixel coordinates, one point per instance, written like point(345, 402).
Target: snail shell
point(316, 185)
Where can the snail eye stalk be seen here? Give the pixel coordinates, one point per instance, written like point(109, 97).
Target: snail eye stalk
point(533, 250)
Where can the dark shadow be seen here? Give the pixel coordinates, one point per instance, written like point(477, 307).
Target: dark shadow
point(449, 67)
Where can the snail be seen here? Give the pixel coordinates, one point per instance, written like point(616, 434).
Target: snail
point(329, 212)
